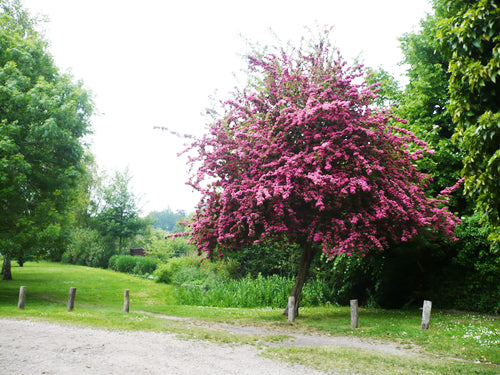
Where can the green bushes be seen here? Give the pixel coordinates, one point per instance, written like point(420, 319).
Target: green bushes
point(163, 249)
point(87, 248)
point(132, 264)
point(192, 270)
point(213, 283)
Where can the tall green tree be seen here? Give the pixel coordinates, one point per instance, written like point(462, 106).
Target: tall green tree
point(469, 33)
point(116, 212)
point(43, 116)
point(424, 104)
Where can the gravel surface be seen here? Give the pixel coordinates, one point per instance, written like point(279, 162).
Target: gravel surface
point(29, 348)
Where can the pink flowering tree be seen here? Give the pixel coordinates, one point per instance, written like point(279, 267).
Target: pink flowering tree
point(302, 155)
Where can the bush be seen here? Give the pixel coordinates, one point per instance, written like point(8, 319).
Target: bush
point(132, 264)
point(166, 272)
point(471, 279)
point(267, 259)
point(87, 248)
point(144, 266)
point(194, 270)
point(163, 249)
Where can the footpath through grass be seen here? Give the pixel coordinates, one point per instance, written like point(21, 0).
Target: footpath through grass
point(471, 337)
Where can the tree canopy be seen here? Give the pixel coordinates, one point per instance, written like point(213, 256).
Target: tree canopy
point(115, 212)
point(468, 33)
point(302, 155)
point(43, 116)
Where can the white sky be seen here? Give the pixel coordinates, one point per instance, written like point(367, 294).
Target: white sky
point(156, 63)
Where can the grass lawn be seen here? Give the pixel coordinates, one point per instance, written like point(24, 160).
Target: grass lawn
point(474, 338)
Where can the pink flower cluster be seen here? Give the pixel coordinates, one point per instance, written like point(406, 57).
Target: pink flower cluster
point(304, 157)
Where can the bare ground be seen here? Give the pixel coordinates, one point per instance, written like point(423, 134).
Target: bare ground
point(29, 347)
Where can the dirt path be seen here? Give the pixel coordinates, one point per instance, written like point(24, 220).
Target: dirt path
point(28, 348)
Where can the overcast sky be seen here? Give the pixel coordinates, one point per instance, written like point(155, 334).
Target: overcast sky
point(157, 62)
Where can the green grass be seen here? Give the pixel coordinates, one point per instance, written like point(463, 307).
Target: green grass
point(361, 361)
point(469, 336)
point(99, 302)
point(49, 283)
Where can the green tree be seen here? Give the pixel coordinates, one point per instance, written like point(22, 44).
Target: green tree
point(469, 33)
point(167, 219)
point(424, 104)
point(43, 116)
point(116, 213)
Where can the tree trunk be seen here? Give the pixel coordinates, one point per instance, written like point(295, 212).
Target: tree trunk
point(305, 263)
point(6, 272)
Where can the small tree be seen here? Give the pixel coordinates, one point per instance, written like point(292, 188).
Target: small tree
point(116, 213)
point(301, 156)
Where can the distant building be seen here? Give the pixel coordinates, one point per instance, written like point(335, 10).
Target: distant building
point(138, 252)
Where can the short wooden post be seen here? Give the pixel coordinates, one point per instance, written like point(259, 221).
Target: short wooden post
point(354, 313)
point(126, 301)
point(291, 309)
point(71, 299)
point(22, 297)
point(426, 314)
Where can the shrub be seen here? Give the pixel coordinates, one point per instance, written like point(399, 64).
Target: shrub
point(194, 270)
point(87, 248)
point(163, 249)
point(131, 264)
point(144, 266)
point(267, 259)
point(165, 272)
point(471, 279)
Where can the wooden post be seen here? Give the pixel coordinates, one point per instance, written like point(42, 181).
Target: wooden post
point(71, 299)
point(291, 309)
point(354, 313)
point(126, 301)
point(22, 297)
point(426, 314)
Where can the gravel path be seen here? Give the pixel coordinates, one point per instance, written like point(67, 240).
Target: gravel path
point(29, 348)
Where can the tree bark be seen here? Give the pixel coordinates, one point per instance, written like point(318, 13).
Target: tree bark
point(6, 271)
point(305, 264)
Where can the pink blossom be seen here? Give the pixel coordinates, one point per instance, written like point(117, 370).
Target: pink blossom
point(305, 157)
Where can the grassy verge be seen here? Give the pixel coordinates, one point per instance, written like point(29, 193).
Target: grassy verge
point(99, 301)
point(360, 361)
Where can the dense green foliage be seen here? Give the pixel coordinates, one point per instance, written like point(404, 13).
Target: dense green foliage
point(469, 33)
point(135, 265)
point(267, 259)
point(461, 275)
point(194, 270)
point(162, 249)
point(108, 224)
point(87, 248)
point(43, 118)
point(424, 103)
